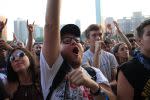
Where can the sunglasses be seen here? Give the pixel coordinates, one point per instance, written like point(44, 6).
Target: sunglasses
point(132, 40)
point(68, 40)
point(18, 54)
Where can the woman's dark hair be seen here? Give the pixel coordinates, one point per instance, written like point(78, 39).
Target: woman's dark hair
point(115, 50)
point(12, 76)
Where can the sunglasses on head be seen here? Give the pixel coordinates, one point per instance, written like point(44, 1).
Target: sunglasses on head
point(18, 54)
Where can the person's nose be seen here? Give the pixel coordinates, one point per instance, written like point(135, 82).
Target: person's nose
point(16, 59)
point(73, 42)
point(97, 38)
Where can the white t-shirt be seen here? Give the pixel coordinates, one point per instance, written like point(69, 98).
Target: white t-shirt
point(71, 91)
point(107, 62)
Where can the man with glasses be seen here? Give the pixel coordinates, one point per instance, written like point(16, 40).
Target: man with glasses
point(62, 76)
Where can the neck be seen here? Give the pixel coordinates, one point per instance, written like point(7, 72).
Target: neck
point(122, 60)
point(146, 53)
point(92, 49)
point(25, 78)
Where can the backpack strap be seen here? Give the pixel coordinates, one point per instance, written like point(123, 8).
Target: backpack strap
point(90, 71)
point(63, 70)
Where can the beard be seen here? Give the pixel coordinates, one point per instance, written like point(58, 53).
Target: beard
point(75, 62)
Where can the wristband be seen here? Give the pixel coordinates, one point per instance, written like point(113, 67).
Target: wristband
point(97, 92)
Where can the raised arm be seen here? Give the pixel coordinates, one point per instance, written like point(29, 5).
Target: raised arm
point(30, 28)
point(51, 45)
point(96, 58)
point(4, 45)
point(14, 40)
point(2, 25)
point(125, 39)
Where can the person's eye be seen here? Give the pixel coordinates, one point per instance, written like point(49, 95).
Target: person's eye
point(21, 54)
point(66, 40)
point(77, 40)
point(12, 58)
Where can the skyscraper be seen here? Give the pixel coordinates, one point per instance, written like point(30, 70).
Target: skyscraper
point(20, 29)
point(137, 18)
point(98, 11)
point(38, 31)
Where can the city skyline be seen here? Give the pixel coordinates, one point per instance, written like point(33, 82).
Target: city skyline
point(84, 10)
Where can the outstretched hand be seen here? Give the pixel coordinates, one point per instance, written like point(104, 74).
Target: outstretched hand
point(30, 27)
point(14, 37)
point(78, 77)
point(2, 25)
point(4, 45)
point(98, 46)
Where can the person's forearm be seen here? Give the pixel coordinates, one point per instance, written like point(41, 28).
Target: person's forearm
point(96, 60)
point(125, 39)
point(30, 42)
point(93, 86)
point(51, 44)
point(0, 34)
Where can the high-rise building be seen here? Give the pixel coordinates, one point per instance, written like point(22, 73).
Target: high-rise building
point(38, 31)
point(98, 11)
point(125, 25)
point(78, 23)
point(20, 29)
point(137, 18)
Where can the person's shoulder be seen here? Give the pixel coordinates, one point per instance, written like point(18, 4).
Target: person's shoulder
point(130, 66)
point(107, 53)
point(2, 76)
point(86, 52)
point(131, 62)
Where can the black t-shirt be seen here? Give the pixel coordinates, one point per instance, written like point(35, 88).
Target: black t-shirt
point(3, 65)
point(138, 77)
point(3, 94)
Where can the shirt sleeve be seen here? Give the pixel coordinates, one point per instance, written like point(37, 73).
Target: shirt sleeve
point(113, 61)
point(100, 77)
point(87, 59)
point(47, 73)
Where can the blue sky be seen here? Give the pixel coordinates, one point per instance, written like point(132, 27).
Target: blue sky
point(71, 10)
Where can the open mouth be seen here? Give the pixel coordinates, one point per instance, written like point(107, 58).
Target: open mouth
point(75, 50)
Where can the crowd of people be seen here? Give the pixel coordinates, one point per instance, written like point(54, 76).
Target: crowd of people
point(64, 67)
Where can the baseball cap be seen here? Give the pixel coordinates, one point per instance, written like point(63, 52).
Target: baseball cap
point(70, 29)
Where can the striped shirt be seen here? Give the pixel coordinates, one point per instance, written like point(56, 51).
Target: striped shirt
point(107, 62)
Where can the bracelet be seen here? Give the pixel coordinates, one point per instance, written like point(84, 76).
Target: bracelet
point(97, 92)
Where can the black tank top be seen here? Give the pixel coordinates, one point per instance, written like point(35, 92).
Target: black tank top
point(27, 92)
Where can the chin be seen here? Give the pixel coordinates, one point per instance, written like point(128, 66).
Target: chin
point(20, 69)
point(75, 64)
